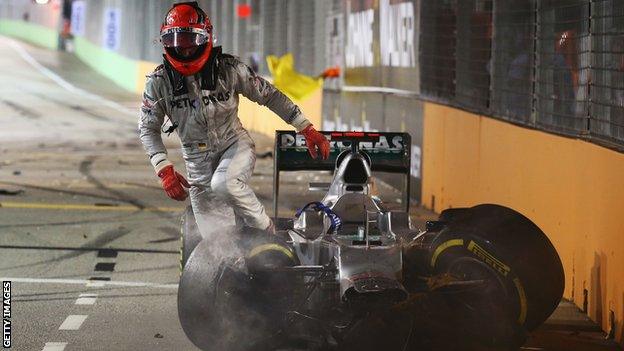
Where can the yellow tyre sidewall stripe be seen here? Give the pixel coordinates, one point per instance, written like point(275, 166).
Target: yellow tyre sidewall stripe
point(182, 222)
point(84, 207)
point(181, 254)
point(271, 247)
point(522, 299)
point(445, 245)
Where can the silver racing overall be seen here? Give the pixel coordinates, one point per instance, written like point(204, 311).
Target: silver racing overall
point(218, 152)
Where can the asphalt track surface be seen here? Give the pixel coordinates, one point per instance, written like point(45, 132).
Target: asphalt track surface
point(87, 237)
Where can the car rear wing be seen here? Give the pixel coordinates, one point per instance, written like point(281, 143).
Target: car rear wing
point(389, 152)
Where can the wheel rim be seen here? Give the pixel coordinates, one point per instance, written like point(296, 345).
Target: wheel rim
point(482, 309)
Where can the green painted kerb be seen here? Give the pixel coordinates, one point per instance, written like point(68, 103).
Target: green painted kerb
point(30, 32)
point(119, 69)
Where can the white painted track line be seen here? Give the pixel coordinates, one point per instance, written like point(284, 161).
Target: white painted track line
point(86, 299)
point(95, 284)
point(73, 322)
point(80, 281)
point(54, 346)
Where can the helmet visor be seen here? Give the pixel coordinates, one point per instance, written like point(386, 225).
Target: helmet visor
point(183, 44)
point(184, 39)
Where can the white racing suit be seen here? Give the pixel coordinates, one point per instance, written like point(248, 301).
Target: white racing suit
point(218, 152)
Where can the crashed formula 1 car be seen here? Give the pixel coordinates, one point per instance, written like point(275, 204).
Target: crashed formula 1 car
point(348, 273)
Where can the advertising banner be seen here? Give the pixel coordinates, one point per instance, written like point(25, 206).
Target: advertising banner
point(112, 29)
point(78, 17)
point(381, 44)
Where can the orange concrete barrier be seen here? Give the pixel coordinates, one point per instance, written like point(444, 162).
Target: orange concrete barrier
point(572, 189)
point(260, 119)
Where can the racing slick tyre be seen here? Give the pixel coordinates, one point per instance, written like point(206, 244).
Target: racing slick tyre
point(514, 276)
point(189, 235)
point(221, 303)
point(267, 252)
point(451, 214)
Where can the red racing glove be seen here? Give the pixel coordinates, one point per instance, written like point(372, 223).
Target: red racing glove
point(173, 183)
point(315, 139)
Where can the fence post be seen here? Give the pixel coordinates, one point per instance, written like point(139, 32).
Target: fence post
point(590, 43)
point(536, 63)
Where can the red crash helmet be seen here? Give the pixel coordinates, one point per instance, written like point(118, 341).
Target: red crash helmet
point(186, 35)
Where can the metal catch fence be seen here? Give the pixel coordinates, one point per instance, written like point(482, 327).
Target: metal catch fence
point(555, 65)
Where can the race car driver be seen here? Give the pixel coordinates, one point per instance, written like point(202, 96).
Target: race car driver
point(197, 88)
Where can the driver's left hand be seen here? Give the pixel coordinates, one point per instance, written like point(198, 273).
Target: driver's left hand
point(315, 140)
